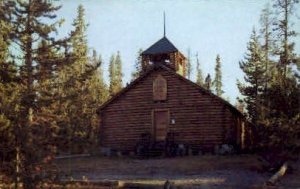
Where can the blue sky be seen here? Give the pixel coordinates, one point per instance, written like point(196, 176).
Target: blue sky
point(207, 27)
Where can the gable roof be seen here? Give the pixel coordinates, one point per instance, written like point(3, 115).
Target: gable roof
point(164, 45)
point(164, 67)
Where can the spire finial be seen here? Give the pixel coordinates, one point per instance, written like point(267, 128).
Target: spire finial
point(164, 24)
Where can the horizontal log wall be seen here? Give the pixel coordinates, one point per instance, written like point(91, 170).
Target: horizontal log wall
point(201, 120)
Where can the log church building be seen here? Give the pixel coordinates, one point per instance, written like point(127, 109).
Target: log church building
point(162, 109)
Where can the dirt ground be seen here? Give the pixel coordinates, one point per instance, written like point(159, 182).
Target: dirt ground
point(207, 171)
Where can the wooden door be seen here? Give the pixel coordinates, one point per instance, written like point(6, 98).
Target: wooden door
point(160, 123)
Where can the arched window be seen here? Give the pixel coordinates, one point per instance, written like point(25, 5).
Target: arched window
point(159, 88)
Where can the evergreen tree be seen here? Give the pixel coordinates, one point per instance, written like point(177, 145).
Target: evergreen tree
point(115, 74)
point(42, 58)
point(33, 130)
point(9, 98)
point(282, 123)
point(199, 77)
point(6, 28)
point(79, 41)
point(99, 89)
point(78, 106)
point(97, 95)
point(78, 110)
point(138, 65)
point(272, 90)
point(112, 75)
point(284, 9)
point(268, 49)
point(189, 64)
point(282, 126)
point(217, 83)
point(284, 77)
point(266, 34)
point(254, 70)
point(119, 74)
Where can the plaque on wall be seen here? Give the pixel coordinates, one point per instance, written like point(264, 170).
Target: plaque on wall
point(159, 88)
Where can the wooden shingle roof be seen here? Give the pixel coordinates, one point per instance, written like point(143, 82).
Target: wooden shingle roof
point(164, 45)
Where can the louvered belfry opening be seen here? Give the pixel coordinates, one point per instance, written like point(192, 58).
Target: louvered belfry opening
point(164, 52)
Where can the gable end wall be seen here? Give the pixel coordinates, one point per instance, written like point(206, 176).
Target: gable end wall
point(202, 121)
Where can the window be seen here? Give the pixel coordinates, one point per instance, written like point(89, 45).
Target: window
point(159, 88)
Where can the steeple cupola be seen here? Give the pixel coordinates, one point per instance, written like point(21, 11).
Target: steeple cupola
point(164, 52)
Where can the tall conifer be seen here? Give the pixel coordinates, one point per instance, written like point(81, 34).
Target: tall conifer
point(97, 95)
point(217, 83)
point(115, 74)
point(199, 76)
point(112, 75)
point(9, 97)
point(282, 123)
point(284, 9)
point(137, 65)
point(35, 129)
point(119, 73)
point(189, 64)
point(79, 109)
point(253, 67)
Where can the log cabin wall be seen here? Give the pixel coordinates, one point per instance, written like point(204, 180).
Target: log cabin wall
point(201, 120)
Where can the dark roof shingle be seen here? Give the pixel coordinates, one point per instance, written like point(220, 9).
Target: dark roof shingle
point(162, 46)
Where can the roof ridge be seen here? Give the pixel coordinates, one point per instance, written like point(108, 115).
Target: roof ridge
point(163, 45)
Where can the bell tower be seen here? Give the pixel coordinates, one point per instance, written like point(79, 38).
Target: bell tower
point(164, 52)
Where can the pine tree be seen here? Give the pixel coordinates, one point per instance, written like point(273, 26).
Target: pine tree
point(217, 83)
point(97, 95)
point(6, 66)
point(98, 88)
point(9, 98)
point(281, 126)
point(282, 123)
point(112, 75)
point(115, 74)
point(119, 74)
point(265, 32)
point(35, 129)
point(77, 111)
point(199, 77)
point(284, 76)
point(284, 9)
point(79, 41)
point(189, 64)
point(40, 58)
point(137, 66)
point(268, 50)
point(79, 116)
point(272, 90)
point(253, 67)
